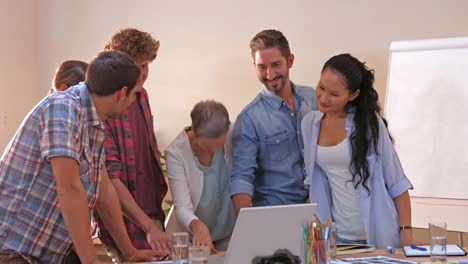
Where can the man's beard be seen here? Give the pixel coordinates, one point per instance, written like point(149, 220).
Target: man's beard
point(279, 87)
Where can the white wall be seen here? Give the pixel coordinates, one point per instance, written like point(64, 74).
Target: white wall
point(204, 45)
point(453, 211)
point(19, 89)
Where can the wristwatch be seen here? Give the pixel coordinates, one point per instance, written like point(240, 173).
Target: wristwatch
point(405, 227)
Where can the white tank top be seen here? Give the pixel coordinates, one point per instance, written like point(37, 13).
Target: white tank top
point(335, 161)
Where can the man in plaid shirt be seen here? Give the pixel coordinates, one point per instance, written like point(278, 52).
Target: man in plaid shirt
point(133, 161)
point(52, 173)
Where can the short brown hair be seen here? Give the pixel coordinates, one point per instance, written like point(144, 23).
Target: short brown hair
point(137, 44)
point(110, 71)
point(70, 72)
point(270, 39)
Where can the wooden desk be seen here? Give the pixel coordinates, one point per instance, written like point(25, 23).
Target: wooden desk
point(219, 258)
point(399, 254)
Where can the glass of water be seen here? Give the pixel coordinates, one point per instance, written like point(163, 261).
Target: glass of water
point(180, 244)
point(438, 235)
point(199, 255)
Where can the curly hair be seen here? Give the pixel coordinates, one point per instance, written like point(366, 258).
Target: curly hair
point(137, 44)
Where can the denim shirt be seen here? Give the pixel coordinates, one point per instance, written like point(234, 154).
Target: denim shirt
point(386, 182)
point(267, 148)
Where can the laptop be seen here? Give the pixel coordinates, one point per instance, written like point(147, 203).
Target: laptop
point(260, 231)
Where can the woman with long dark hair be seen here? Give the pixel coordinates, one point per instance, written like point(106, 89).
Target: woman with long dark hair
point(353, 171)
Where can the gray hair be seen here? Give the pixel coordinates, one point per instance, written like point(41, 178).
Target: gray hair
point(210, 119)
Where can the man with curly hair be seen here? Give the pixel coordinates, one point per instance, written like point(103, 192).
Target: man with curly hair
point(132, 155)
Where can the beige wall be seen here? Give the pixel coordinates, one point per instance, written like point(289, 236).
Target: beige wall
point(204, 46)
point(18, 82)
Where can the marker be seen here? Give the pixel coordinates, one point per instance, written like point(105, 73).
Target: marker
point(418, 248)
point(391, 250)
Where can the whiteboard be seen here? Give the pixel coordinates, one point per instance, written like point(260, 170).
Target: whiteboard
point(427, 110)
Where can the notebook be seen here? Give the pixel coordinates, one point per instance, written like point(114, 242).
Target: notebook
point(260, 231)
point(347, 249)
point(452, 250)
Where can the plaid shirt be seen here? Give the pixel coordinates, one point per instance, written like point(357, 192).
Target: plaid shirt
point(120, 161)
point(63, 124)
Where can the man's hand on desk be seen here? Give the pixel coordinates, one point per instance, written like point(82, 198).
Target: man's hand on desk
point(158, 240)
point(139, 255)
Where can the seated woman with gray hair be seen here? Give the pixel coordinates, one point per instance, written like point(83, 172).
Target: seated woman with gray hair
point(199, 173)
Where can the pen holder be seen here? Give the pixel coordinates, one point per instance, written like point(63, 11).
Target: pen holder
point(316, 252)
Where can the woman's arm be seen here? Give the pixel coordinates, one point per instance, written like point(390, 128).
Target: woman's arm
point(403, 206)
point(397, 183)
point(180, 190)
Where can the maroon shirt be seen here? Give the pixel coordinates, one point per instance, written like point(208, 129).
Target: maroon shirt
point(122, 153)
point(147, 170)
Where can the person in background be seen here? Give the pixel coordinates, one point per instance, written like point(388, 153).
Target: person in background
point(69, 73)
point(132, 155)
point(268, 165)
point(198, 166)
point(354, 172)
point(53, 176)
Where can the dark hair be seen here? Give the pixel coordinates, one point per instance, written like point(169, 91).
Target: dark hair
point(210, 119)
point(366, 104)
point(110, 71)
point(70, 72)
point(137, 44)
point(270, 39)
